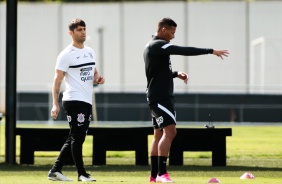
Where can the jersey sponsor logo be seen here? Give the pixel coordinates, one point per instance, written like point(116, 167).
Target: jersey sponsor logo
point(86, 74)
point(69, 118)
point(86, 69)
point(84, 79)
point(85, 56)
point(160, 120)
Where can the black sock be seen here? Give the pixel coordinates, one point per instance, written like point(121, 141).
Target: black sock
point(162, 165)
point(154, 166)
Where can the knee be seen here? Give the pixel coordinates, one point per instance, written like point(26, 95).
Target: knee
point(171, 134)
point(79, 138)
point(174, 133)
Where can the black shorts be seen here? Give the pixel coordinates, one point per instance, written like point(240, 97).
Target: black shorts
point(163, 113)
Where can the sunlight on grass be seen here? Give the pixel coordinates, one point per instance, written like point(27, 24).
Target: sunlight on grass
point(245, 142)
point(255, 149)
point(198, 171)
point(120, 154)
point(255, 142)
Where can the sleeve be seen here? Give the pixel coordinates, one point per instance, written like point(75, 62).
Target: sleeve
point(62, 63)
point(174, 74)
point(187, 51)
point(167, 48)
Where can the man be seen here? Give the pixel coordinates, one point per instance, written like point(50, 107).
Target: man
point(77, 65)
point(160, 95)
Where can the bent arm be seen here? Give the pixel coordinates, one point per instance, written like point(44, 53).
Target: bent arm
point(98, 79)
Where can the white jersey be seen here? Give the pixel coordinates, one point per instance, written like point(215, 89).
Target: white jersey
point(79, 66)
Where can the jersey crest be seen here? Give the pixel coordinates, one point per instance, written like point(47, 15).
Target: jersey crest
point(160, 120)
point(80, 118)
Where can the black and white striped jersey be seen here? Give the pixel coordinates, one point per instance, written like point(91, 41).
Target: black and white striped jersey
point(158, 66)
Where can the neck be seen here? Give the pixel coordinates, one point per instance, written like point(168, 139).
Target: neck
point(158, 35)
point(78, 45)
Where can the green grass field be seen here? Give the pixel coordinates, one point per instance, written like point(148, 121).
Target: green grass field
point(255, 149)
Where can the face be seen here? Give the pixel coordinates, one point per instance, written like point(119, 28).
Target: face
point(168, 33)
point(79, 34)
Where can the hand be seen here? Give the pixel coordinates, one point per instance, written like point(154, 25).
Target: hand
point(221, 53)
point(55, 111)
point(100, 80)
point(183, 76)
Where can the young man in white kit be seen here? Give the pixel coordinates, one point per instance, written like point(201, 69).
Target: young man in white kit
point(77, 65)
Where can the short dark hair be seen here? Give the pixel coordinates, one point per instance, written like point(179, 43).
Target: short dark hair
point(166, 22)
point(74, 23)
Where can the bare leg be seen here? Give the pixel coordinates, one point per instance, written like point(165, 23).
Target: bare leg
point(154, 146)
point(169, 132)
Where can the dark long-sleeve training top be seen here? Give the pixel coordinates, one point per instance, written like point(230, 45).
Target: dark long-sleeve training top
point(158, 66)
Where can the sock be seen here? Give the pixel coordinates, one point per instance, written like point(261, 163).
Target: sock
point(154, 166)
point(162, 165)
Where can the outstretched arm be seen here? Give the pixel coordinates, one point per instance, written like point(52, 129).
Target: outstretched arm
point(185, 51)
point(170, 49)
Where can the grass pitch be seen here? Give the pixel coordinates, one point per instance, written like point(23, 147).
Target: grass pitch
point(255, 149)
point(265, 171)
